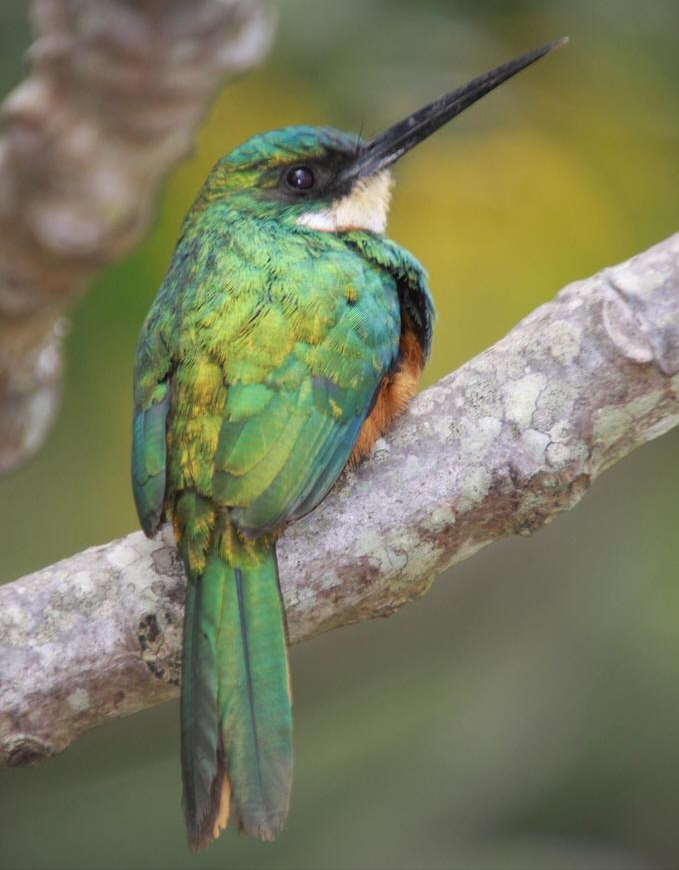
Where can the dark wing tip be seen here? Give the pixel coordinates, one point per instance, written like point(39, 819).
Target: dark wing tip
point(151, 522)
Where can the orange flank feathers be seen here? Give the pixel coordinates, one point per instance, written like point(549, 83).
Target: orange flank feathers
point(395, 392)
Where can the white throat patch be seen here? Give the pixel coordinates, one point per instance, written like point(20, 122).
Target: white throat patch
point(365, 208)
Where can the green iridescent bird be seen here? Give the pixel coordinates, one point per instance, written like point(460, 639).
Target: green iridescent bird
point(286, 336)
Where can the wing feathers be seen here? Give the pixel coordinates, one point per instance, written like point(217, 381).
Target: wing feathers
point(149, 456)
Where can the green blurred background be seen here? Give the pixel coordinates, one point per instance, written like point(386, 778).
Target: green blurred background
point(526, 712)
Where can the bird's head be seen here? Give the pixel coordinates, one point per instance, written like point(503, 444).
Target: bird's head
point(330, 181)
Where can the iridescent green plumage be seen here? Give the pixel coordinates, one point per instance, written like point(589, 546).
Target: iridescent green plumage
point(264, 350)
point(287, 332)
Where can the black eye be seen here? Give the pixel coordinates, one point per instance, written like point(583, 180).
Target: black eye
point(300, 178)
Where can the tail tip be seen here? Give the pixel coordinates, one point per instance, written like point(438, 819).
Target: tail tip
point(199, 839)
point(264, 826)
point(202, 831)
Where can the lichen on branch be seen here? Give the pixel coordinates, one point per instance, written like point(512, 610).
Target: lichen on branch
point(497, 448)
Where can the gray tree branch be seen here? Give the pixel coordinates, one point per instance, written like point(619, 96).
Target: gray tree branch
point(497, 448)
point(115, 95)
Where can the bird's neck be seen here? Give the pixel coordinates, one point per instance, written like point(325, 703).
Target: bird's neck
point(365, 207)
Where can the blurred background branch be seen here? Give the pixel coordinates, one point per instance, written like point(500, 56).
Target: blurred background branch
point(113, 100)
point(498, 448)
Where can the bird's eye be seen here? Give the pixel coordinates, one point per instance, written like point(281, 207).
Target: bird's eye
point(300, 178)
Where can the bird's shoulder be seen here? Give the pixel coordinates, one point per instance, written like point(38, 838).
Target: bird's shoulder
point(409, 276)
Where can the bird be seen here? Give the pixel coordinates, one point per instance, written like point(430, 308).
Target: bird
point(287, 335)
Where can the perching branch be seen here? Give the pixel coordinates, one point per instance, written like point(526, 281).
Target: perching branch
point(115, 95)
point(497, 448)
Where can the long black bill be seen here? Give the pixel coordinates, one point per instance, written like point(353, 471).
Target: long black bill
point(389, 146)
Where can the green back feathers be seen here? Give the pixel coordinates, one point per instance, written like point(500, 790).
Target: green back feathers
point(257, 365)
point(273, 375)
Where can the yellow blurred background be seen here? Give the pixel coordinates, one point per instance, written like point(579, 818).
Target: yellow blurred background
point(526, 712)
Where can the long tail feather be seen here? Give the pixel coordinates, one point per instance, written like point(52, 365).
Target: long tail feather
point(235, 708)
